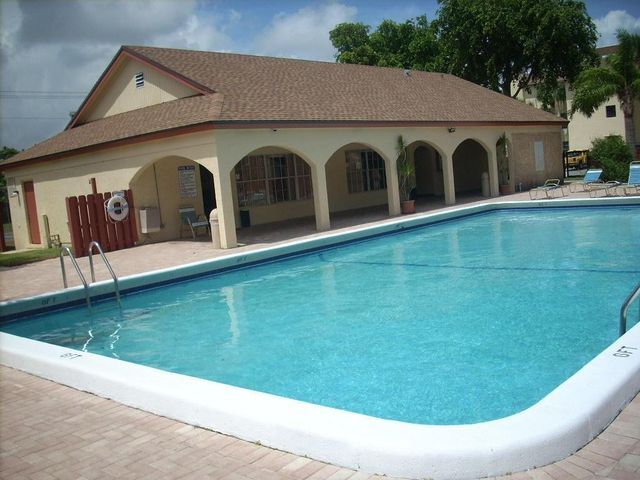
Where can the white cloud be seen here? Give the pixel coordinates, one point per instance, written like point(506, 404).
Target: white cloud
point(198, 32)
point(305, 33)
point(614, 21)
point(64, 45)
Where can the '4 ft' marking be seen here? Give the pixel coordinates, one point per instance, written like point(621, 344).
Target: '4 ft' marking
point(624, 351)
point(70, 355)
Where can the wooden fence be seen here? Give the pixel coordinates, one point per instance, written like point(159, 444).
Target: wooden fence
point(88, 222)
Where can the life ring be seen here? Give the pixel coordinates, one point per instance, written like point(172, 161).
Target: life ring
point(117, 208)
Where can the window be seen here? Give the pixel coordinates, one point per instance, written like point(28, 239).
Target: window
point(139, 79)
point(611, 111)
point(269, 179)
point(365, 171)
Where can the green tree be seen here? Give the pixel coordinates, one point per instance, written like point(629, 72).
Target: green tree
point(353, 44)
point(500, 43)
point(411, 44)
point(619, 76)
point(613, 155)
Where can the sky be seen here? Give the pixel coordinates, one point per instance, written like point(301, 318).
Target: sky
point(53, 51)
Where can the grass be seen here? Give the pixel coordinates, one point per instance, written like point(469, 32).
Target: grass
point(13, 259)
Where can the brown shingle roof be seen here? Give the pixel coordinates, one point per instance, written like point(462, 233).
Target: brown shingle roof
point(176, 114)
point(266, 89)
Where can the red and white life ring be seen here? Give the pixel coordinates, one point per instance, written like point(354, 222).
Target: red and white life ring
point(117, 208)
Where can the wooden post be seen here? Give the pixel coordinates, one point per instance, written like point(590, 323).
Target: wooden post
point(111, 229)
point(93, 218)
point(84, 226)
point(47, 230)
point(131, 219)
point(103, 236)
point(74, 224)
point(94, 188)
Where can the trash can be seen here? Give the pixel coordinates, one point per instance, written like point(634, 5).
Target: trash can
point(484, 180)
point(245, 219)
point(215, 228)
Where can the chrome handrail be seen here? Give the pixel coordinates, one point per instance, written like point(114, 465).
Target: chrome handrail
point(106, 262)
point(77, 267)
point(635, 293)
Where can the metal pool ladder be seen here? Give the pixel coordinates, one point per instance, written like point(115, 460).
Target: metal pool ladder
point(108, 265)
point(634, 295)
point(77, 267)
point(86, 285)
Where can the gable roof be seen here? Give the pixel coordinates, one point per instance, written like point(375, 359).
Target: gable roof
point(250, 91)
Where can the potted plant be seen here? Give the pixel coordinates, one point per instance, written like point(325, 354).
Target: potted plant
point(503, 165)
point(406, 177)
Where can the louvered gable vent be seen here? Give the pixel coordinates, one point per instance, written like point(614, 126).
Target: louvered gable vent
point(139, 77)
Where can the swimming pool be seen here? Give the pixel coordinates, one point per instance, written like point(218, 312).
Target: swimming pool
point(353, 340)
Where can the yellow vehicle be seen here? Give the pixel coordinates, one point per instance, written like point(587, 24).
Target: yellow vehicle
point(577, 158)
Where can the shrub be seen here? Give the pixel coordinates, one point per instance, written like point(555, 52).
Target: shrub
point(613, 155)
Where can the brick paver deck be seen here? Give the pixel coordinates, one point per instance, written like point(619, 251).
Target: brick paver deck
point(49, 431)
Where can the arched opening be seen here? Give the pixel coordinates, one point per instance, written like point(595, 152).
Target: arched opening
point(269, 185)
point(470, 163)
point(356, 182)
point(429, 175)
point(162, 188)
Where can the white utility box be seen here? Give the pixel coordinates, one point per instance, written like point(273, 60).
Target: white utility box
point(149, 220)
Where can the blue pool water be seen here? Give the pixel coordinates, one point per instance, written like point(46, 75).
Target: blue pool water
point(458, 322)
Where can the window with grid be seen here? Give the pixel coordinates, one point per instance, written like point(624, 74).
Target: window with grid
point(269, 179)
point(365, 171)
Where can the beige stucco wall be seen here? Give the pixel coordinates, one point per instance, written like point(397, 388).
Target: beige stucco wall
point(120, 94)
point(220, 150)
point(523, 167)
point(157, 186)
point(113, 170)
point(584, 130)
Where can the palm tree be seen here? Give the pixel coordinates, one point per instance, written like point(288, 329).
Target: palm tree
point(619, 75)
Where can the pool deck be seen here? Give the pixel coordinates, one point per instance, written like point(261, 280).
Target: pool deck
point(51, 431)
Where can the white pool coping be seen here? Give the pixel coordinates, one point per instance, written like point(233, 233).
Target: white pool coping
point(558, 425)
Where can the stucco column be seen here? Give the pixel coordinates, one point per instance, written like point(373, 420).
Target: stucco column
point(224, 202)
point(492, 161)
point(320, 197)
point(393, 188)
point(447, 176)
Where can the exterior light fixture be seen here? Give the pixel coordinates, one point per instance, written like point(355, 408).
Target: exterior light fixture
point(451, 129)
point(15, 193)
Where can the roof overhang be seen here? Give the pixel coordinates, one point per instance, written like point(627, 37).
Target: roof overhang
point(266, 124)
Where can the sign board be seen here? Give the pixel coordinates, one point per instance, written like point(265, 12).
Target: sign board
point(187, 187)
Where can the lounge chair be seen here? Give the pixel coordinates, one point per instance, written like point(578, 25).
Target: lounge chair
point(550, 186)
point(188, 218)
point(591, 179)
point(633, 182)
point(614, 188)
point(609, 189)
